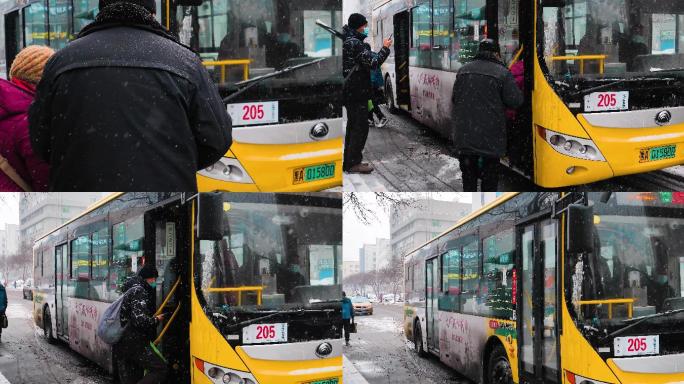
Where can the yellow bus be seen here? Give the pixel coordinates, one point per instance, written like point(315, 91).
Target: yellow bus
point(249, 282)
point(572, 288)
point(287, 116)
point(602, 79)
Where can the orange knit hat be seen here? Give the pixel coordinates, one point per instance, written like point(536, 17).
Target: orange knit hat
point(30, 62)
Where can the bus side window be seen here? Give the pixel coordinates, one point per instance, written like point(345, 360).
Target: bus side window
point(470, 275)
point(498, 251)
point(80, 265)
point(127, 254)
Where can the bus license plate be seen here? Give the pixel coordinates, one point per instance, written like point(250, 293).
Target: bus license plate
point(606, 101)
point(253, 113)
point(636, 345)
point(313, 173)
point(264, 333)
point(324, 381)
point(657, 153)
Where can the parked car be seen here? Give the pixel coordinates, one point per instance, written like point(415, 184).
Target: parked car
point(28, 289)
point(362, 306)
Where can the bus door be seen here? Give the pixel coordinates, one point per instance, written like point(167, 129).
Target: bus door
point(62, 278)
point(13, 36)
point(432, 287)
point(171, 258)
point(401, 59)
point(538, 306)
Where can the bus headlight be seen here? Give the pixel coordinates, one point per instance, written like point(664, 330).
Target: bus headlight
point(577, 379)
point(570, 145)
point(227, 169)
point(221, 375)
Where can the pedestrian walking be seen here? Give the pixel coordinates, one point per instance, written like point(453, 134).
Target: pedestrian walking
point(358, 61)
point(21, 170)
point(377, 99)
point(134, 353)
point(347, 316)
point(127, 107)
point(3, 308)
point(484, 88)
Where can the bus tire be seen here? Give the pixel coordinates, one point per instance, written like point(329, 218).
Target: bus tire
point(418, 339)
point(47, 326)
point(389, 95)
point(498, 367)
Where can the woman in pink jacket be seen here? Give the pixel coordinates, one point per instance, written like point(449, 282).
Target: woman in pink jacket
point(20, 169)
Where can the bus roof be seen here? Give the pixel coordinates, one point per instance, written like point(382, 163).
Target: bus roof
point(90, 208)
point(498, 201)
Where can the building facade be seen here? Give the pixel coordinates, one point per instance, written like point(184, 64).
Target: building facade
point(350, 267)
point(412, 226)
point(9, 240)
point(42, 212)
point(480, 199)
point(374, 257)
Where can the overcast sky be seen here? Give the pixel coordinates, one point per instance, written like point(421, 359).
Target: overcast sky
point(9, 209)
point(355, 234)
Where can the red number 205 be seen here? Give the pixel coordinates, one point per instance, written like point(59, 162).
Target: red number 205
point(607, 100)
point(266, 332)
point(637, 344)
point(252, 112)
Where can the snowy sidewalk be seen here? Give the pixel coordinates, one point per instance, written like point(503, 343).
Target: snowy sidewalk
point(351, 374)
point(354, 182)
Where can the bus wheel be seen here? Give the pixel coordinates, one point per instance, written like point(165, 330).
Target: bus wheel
point(389, 95)
point(499, 368)
point(47, 326)
point(418, 339)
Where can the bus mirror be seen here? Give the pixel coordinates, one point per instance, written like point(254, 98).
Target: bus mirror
point(553, 3)
point(189, 3)
point(210, 216)
point(580, 229)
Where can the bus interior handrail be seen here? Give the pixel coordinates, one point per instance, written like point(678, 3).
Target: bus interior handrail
point(168, 296)
point(224, 63)
point(628, 301)
point(581, 58)
point(258, 289)
point(167, 325)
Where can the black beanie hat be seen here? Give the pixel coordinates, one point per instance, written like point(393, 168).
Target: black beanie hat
point(489, 45)
point(148, 271)
point(150, 5)
point(356, 21)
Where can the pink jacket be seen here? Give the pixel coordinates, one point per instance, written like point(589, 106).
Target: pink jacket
point(15, 143)
point(518, 71)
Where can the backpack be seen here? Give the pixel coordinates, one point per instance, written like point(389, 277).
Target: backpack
point(109, 329)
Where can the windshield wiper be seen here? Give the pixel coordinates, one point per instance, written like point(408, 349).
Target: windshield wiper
point(252, 82)
point(641, 320)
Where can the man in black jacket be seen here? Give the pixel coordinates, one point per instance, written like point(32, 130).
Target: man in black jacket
point(484, 88)
point(126, 107)
point(133, 352)
point(358, 61)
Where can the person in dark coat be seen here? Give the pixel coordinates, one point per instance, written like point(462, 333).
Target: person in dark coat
point(484, 88)
point(126, 107)
point(3, 305)
point(21, 170)
point(133, 352)
point(358, 60)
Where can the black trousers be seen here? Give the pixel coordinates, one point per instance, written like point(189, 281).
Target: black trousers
point(377, 99)
point(357, 133)
point(474, 167)
point(133, 362)
point(346, 327)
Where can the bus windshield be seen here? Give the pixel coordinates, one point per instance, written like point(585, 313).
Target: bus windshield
point(280, 255)
point(636, 269)
point(586, 40)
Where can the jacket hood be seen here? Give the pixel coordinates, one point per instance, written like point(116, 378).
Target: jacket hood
point(349, 33)
point(13, 100)
point(132, 282)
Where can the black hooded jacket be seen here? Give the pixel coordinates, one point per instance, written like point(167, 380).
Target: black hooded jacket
point(126, 107)
point(137, 310)
point(484, 88)
point(358, 57)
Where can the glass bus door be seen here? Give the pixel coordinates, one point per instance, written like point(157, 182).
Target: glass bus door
point(432, 288)
point(62, 276)
point(537, 323)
